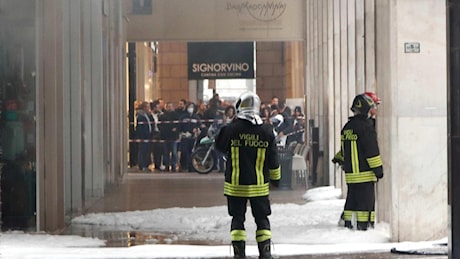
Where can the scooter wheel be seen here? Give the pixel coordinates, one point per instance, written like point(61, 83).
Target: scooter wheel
point(199, 163)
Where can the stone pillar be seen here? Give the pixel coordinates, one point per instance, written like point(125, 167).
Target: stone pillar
point(271, 71)
point(295, 73)
point(454, 128)
point(412, 118)
point(369, 54)
point(172, 80)
point(144, 67)
point(50, 109)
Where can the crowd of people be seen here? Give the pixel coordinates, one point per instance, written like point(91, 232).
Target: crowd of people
point(166, 132)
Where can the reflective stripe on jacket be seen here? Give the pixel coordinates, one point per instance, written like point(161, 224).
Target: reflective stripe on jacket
point(360, 150)
point(252, 158)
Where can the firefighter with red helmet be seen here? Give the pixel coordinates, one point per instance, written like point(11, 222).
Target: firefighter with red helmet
point(338, 159)
point(374, 97)
point(362, 163)
point(373, 110)
point(252, 164)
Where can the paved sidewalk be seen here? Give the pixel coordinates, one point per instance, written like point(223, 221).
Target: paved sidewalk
point(146, 191)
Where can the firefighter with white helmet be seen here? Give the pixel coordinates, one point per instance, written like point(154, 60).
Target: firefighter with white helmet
point(252, 165)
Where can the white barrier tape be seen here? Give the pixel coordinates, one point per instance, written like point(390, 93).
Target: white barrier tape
point(151, 141)
point(183, 121)
point(162, 141)
point(191, 121)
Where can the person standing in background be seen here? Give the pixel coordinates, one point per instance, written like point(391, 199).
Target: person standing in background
point(157, 147)
point(298, 125)
point(161, 105)
point(229, 114)
point(189, 128)
point(274, 101)
point(144, 124)
point(265, 114)
point(181, 107)
point(169, 133)
point(201, 109)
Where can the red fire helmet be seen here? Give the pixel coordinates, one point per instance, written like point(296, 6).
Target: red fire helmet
point(374, 97)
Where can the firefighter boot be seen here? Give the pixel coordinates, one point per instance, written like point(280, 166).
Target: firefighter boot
point(362, 226)
point(239, 249)
point(348, 224)
point(264, 249)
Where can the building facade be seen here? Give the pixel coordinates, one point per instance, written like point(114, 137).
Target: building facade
point(68, 60)
point(65, 90)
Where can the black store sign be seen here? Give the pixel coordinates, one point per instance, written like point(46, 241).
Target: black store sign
point(220, 60)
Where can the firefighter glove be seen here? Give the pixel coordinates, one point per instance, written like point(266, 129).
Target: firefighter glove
point(275, 183)
point(378, 172)
point(336, 160)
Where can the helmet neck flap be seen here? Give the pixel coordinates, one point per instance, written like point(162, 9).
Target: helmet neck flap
point(251, 117)
point(247, 108)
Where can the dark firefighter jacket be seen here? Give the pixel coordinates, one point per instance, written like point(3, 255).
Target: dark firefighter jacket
point(359, 151)
point(252, 158)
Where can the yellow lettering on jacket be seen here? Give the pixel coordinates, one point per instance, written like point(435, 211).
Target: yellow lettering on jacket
point(256, 143)
point(249, 137)
point(235, 142)
point(249, 140)
point(349, 135)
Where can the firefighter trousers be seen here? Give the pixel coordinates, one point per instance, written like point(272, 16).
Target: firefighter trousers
point(260, 208)
point(361, 202)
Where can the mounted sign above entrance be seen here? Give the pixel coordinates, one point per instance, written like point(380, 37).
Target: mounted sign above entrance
point(212, 20)
point(220, 60)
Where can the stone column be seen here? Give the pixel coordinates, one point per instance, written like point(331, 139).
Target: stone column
point(50, 109)
point(369, 54)
point(412, 118)
point(453, 120)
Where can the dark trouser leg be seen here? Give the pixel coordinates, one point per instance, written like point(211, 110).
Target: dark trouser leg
point(361, 201)
point(349, 206)
point(157, 154)
point(144, 156)
point(133, 153)
point(237, 210)
point(260, 207)
point(166, 155)
point(183, 155)
point(189, 158)
point(173, 149)
point(365, 206)
point(185, 152)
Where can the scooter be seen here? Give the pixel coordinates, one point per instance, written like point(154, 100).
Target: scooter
point(203, 160)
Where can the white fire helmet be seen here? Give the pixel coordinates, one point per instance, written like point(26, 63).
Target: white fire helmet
point(277, 120)
point(247, 107)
